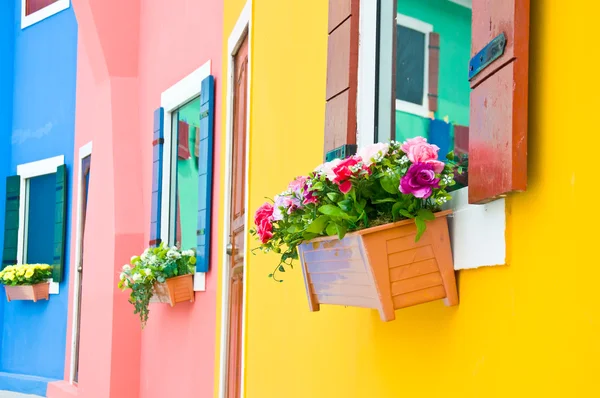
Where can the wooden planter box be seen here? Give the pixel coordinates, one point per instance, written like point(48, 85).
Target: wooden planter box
point(35, 292)
point(381, 267)
point(174, 290)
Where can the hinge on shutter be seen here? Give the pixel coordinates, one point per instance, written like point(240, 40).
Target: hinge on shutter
point(203, 115)
point(341, 152)
point(491, 52)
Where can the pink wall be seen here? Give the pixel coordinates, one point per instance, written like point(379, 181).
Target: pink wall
point(129, 53)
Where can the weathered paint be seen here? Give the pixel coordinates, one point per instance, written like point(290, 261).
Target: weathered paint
point(37, 97)
point(527, 329)
point(129, 53)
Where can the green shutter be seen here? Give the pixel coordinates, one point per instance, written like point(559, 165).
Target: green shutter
point(60, 223)
point(11, 221)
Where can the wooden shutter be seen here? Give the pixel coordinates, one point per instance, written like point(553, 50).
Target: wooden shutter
point(434, 71)
point(157, 166)
point(205, 171)
point(11, 221)
point(60, 223)
point(498, 73)
point(342, 75)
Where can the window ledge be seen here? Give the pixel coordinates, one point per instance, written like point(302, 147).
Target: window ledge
point(40, 15)
point(200, 281)
point(409, 107)
point(477, 232)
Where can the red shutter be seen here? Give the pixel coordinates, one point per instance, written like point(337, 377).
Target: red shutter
point(498, 123)
point(342, 72)
point(434, 70)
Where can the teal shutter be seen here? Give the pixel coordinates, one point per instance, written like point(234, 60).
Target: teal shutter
point(11, 221)
point(205, 171)
point(157, 166)
point(60, 223)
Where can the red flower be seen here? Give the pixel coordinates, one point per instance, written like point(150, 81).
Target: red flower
point(263, 219)
point(342, 171)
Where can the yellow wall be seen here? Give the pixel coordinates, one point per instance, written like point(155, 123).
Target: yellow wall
point(529, 329)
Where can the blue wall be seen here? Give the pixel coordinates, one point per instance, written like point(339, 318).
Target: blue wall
point(33, 335)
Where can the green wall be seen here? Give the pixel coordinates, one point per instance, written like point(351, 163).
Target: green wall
point(453, 23)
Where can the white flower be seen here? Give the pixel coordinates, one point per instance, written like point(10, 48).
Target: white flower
point(373, 153)
point(442, 200)
point(327, 169)
point(122, 276)
point(126, 268)
point(136, 277)
point(188, 253)
point(173, 254)
point(447, 179)
point(145, 254)
point(148, 271)
point(403, 159)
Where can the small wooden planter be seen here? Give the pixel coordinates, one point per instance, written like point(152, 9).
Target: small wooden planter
point(35, 292)
point(174, 290)
point(381, 267)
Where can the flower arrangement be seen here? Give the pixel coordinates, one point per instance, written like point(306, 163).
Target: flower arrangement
point(155, 264)
point(381, 184)
point(25, 274)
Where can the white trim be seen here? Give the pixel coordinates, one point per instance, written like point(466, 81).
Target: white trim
point(48, 11)
point(243, 25)
point(464, 3)
point(367, 52)
point(171, 99)
point(477, 232)
point(27, 171)
point(426, 29)
point(84, 152)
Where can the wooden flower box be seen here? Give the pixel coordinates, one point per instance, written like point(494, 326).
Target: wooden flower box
point(381, 267)
point(174, 290)
point(39, 291)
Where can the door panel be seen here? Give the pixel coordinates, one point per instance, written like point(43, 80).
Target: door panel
point(237, 222)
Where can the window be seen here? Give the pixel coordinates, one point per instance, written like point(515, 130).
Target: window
point(183, 212)
point(33, 11)
point(412, 64)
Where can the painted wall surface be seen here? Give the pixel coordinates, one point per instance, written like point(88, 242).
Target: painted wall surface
point(42, 126)
point(453, 23)
point(129, 53)
point(527, 329)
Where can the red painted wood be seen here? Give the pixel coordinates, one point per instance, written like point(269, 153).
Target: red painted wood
point(434, 70)
point(498, 122)
point(36, 5)
point(342, 73)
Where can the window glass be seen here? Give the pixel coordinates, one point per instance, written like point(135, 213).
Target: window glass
point(36, 5)
point(410, 61)
point(186, 122)
point(39, 239)
point(448, 126)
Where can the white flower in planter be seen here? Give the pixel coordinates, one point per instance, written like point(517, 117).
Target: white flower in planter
point(148, 271)
point(126, 268)
point(173, 254)
point(136, 277)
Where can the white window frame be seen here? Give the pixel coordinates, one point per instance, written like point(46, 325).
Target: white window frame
point(426, 29)
point(40, 15)
point(84, 152)
point(27, 171)
point(171, 100)
point(464, 3)
point(477, 232)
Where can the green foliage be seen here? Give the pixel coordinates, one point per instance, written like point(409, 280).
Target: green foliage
point(25, 274)
point(155, 265)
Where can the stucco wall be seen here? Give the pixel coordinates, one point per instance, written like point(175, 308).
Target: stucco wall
point(43, 115)
point(525, 329)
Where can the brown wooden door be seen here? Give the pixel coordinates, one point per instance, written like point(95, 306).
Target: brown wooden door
point(237, 222)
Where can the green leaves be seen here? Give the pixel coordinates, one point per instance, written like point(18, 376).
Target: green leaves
point(420, 228)
point(346, 204)
point(334, 196)
point(318, 225)
point(390, 183)
point(333, 211)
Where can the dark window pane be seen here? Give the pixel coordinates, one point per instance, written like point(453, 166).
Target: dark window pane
point(36, 5)
point(40, 220)
point(410, 65)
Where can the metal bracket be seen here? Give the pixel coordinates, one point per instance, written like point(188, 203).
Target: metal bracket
point(341, 152)
point(203, 115)
point(491, 52)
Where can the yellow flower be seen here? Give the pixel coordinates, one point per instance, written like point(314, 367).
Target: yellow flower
point(29, 273)
point(21, 272)
point(9, 276)
point(9, 268)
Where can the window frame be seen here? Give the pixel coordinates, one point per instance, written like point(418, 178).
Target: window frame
point(27, 171)
point(40, 15)
point(173, 98)
point(425, 28)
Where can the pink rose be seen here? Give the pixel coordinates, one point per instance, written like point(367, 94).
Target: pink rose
point(418, 150)
point(298, 184)
point(263, 219)
point(342, 171)
point(371, 152)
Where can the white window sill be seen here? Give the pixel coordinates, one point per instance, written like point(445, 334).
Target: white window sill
point(40, 15)
point(200, 282)
point(409, 107)
point(477, 232)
